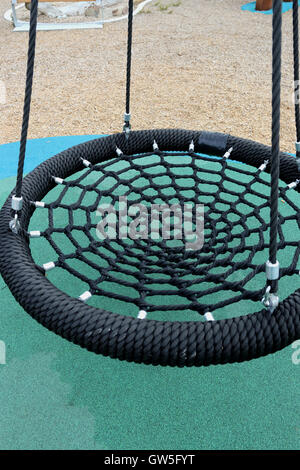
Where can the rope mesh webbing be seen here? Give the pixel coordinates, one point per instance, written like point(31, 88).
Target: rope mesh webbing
point(161, 274)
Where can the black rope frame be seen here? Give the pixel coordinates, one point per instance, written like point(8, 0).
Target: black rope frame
point(147, 341)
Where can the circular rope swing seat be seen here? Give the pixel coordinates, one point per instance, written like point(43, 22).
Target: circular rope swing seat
point(157, 267)
point(94, 242)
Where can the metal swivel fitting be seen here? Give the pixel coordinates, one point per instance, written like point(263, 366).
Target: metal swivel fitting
point(14, 224)
point(16, 205)
point(270, 300)
point(127, 125)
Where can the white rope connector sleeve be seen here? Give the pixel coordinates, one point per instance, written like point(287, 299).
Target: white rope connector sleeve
point(192, 146)
point(272, 270)
point(16, 203)
point(228, 153)
point(119, 152)
point(142, 315)
point(263, 166)
point(48, 266)
point(39, 204)
point(293, 185)
point(209, 316)
point(58, 180)
point(127, 117)
point(85, 296)
point(34, 234)
point(86, 163)
point(155, 146)
point(297, 146)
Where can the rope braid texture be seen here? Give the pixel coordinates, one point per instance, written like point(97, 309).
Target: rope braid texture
point(171, 343)
point(276, 88)
point(28, 93)
point(127, 126)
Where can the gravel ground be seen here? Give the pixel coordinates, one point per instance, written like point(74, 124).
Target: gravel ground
point(198, 64)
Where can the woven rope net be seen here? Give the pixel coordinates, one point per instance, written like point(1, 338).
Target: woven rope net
point(163, 275)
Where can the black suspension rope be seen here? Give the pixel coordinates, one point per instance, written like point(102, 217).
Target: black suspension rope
point(127, 126)
point(275, 159)
point(296, 71)
point(28, 93)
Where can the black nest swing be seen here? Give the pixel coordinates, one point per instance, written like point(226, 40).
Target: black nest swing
point(250, 194)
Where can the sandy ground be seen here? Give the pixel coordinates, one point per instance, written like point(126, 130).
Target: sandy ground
point(199, 64)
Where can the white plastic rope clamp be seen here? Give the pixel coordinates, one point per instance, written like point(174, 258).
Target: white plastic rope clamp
point(57, 180)
point(119, 152)
point(85, 296)
point(270, 300)
point(38, 204)
point(142, 315)
point(192, 147)
point(228, 153)
point(272, 270)
point(294, 184)
point(16, 203)
point(155, 146)
point(297, 146)
point(209, 316)
point(34, 234)
point(86, 163)
point(48, 266)
point(263, 166)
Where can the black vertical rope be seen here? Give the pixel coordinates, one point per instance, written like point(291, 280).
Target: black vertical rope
point(28, 92)
point(128, 70)
point(276, 89)
point(296, 70)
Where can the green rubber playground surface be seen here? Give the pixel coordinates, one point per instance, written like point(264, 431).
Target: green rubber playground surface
point(56, 395)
